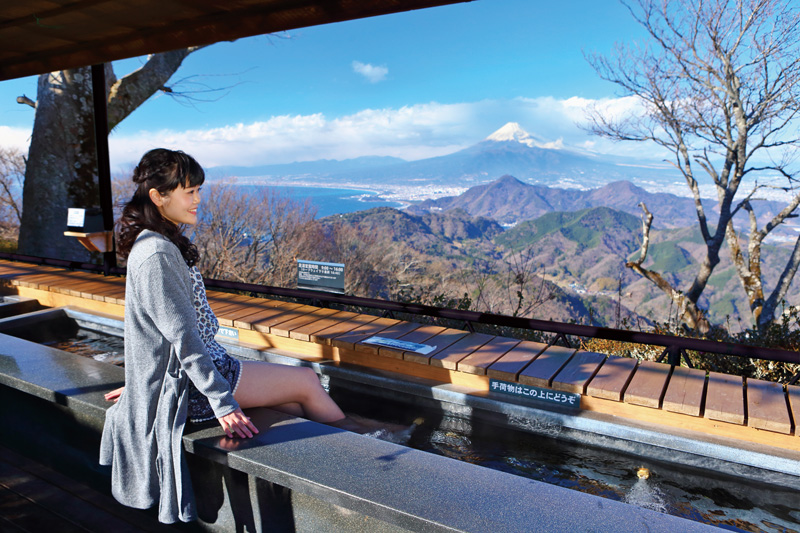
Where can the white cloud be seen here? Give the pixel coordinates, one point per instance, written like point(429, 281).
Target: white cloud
point(372, 73)
point(18, 138)
point(410, 132)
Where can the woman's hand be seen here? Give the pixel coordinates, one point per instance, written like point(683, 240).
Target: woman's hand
point(113, 396)
point(237, 423)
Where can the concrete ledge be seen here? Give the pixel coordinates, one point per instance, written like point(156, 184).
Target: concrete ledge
point(341, 479)
point(15, 305)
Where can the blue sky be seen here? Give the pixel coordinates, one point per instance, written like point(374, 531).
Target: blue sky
point(410, 85)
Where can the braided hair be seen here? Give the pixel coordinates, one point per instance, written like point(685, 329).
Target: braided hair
point(163, 170)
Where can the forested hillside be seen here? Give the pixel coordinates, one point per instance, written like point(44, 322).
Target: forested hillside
point(566, 264)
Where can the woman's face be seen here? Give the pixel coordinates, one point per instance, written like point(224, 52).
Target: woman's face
point(178, 206)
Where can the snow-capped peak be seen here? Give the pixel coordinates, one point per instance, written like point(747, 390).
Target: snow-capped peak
point(514, 132)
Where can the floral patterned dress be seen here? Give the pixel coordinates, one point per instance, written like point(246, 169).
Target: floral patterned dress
point(208, 325)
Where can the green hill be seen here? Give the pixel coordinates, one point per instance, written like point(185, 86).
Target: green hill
point(587, 227)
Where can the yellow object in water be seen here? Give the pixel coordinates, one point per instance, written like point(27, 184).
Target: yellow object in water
point(643, 473)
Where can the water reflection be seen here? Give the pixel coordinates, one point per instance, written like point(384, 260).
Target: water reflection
point(529, 448)
point(98, 346)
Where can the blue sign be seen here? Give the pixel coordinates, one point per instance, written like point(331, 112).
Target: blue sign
point(228, 333)
point(565, 399)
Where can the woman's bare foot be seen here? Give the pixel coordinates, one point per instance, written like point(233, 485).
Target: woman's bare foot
point(397, 433)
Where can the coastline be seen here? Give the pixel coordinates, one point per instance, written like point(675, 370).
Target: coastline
point(405, 196)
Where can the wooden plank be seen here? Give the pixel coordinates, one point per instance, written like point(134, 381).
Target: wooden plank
point(95, 290)
point(508, 367)
point(42, 281)
point(421, 335)
point(47, 489)
point(580, 368)
point(71, 285)
point(478, 361)
point(545, 367)
point(326, 335)
point(349, 339)
point(648, 384)
point(283, 329)
point(223, 310)
point(477, 383)
point(303, 333)
point(115, 295)
point(612, 378)
point(52, 299)
point(725, 398)
point(248, 321)
point(85, 289)
point(392, 332)
point(685, 391)
point(26, 516)
point(794, 404)
point(11, 269)
point(442, 341)
point(222, 302)
point(766, 406)
point(241, 315)
point(450, 356)
point(307, 351)
point(659, 418)
point(265, 324)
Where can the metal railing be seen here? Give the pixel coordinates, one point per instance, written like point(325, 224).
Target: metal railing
point(675, 347)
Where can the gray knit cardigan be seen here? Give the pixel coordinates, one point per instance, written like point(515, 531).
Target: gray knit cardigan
point(142, 434)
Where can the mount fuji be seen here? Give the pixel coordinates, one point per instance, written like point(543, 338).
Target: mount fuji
point(509, 150)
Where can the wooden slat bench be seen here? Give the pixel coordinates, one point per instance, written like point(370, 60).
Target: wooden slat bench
point(716, 404)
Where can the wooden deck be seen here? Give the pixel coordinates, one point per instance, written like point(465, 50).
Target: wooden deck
point(34, 498)
point(655, 393)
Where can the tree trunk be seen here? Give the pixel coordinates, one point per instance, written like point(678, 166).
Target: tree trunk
point(62, 165)
point(62, 160)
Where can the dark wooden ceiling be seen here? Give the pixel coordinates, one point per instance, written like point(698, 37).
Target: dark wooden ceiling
point(38, 36)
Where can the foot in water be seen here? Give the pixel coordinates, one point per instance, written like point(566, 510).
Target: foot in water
point(396, 433)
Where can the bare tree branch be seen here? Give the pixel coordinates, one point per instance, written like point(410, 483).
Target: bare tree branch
point(719, 83)
point(25, 100)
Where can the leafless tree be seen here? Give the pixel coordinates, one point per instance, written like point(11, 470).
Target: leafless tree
point(254, 236)
point(719, 81)
point(514, 286)
point(61, 167)
point(12, 171)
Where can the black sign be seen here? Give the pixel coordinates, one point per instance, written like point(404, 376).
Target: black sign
point(318, 276)
point(565, 399)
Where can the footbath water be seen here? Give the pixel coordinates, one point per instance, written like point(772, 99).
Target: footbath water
point(532, 450)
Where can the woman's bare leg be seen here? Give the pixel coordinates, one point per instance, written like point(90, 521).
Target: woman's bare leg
point(265, 384)
point(294, 409)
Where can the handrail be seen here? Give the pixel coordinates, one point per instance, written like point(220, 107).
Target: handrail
point(670, 342)
point(674, 345)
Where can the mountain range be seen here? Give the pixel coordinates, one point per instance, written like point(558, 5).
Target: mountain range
point(577, 257)
point(548, 177)
point(509, 201)
point(509, 150)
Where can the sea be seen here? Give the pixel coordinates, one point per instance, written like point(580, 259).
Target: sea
point(331, 201)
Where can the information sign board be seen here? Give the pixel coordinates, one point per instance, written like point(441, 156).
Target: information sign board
point(407, 346)
point(319, 276)
point(564, 399)
point(228, 333)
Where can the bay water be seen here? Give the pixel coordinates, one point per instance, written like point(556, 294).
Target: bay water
point(329, 201)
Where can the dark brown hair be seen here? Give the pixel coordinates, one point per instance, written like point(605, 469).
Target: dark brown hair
point(163, 170)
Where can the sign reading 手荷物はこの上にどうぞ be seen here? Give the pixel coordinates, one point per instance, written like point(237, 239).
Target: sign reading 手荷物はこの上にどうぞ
point(565, 399)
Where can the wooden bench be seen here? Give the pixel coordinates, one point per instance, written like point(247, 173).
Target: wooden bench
point(683, 397)
point(58, 398)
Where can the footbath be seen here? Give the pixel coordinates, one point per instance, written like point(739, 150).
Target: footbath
point(397, 433)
